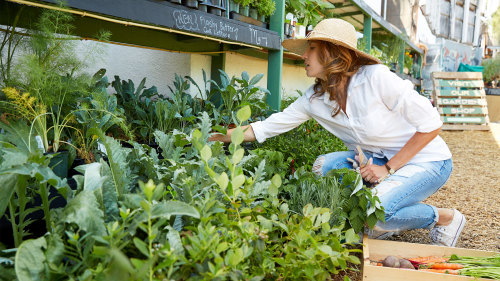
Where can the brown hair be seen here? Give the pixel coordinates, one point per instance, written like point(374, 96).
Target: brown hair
point(340, 65)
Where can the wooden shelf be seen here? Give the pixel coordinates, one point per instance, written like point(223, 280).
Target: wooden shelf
point(161, 24)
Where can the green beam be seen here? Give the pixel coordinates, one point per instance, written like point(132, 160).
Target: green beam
point(401, 60)
point(367, 33)
point(275, 61)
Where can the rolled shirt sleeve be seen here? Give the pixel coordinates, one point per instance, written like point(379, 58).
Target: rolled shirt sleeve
point(398, 95)
point(281, 122)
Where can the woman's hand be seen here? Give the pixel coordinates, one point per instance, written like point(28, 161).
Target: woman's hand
point(373, 173)
point(247, 130)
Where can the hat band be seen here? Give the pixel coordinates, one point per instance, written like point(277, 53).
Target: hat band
point(326, 35)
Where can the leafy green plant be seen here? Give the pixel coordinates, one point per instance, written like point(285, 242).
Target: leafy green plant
point(50, 76)
point(25, 173)
point(11, 41)
point(138, 105)
point(265, 7)
point(309, 11)
point(491, 69)
point(237, 92)
point(310, 141)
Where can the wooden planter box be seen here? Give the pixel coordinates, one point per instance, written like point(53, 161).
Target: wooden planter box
point(379, 249)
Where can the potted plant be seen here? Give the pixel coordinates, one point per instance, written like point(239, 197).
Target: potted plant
point(265, 8)
point(191, 3)
point(244, 6)
point(491, 71)
point(233, 6)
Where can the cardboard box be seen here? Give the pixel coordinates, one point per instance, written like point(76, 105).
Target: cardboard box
point(376, 250)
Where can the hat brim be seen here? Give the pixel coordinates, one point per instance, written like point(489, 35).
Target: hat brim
point(299, 46)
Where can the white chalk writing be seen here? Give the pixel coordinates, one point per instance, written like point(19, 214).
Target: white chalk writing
point(256, 38)
point(218, 28)
point(186, 21)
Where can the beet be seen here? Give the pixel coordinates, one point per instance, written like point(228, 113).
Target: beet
point(391, 261)
point(405, 264)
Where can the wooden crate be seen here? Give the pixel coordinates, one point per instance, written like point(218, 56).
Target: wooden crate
point(461, 100)
point(376, 250)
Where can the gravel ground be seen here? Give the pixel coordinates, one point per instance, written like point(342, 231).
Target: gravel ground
point(473, 189)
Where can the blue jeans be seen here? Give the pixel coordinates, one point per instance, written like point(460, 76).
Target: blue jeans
point(400, 194)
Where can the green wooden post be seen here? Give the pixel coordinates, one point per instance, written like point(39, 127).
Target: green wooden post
point(367, 33)
point(401, 61)
point(218, 62)
point(420, 65)
point(275, 58)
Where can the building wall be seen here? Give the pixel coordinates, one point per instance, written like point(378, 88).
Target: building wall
point(293, 77)
point(159, 67)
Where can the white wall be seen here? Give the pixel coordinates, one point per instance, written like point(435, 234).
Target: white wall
point(135, 63)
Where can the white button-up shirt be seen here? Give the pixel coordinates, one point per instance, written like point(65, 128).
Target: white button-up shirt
point(382, 113)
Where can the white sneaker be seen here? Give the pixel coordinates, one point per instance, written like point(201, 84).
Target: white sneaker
point(447, 235)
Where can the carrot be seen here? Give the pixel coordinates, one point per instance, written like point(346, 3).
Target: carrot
point(429, 259)
point(444, 265)
point(447, 271)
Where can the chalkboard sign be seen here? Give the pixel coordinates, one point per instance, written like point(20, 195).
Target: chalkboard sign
point(461, 100)
point(180, 18)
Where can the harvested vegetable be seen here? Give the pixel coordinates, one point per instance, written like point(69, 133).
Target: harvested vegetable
point(427, 260)
point(403, 263)
point(445, 265)
point(447, 271)
point(480, 267)
point(391, 261)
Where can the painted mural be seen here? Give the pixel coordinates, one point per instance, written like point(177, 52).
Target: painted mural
point(454, 53)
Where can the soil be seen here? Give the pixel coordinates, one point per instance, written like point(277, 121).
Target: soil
point(473, 189)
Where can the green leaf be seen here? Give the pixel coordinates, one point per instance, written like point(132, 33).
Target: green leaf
point(55, 249)
point(238, 155)
point(245, 75)
point(117, 158)
point(206, 153)
point(351, 237)
point(244, 113)
point(256, 79)
point(7, 188)
point(273, 190)
point(222, 180)
point(30, 260)
point(276, 180)
point(237, 136)
point(174, 239)
point(326, 249)
point(141, 246)
point(174, 208)
point(371, 220)
point(84, 211)
point(92, 176)
point(238, 181)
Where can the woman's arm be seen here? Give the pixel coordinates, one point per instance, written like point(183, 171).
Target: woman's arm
point(247, 129)
point(372, 173)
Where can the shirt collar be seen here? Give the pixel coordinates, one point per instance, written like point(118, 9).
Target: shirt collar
point(356, 80)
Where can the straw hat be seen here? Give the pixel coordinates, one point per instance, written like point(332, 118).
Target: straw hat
point(336, 31)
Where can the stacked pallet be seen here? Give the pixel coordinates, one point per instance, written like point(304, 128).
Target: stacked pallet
point(461, 100)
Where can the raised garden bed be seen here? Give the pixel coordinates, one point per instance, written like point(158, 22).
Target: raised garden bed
point(376, 250)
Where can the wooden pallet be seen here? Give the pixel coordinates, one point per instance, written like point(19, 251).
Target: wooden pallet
point(461, 100)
